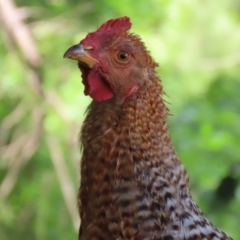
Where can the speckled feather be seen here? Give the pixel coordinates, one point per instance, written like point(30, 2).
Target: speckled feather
point(133, 186)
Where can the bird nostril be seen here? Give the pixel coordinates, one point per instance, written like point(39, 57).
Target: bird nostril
point(88, 47)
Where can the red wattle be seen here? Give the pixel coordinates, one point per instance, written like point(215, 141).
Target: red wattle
point(97, 87)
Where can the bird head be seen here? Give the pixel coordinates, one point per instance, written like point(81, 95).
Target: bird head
point(113, 62)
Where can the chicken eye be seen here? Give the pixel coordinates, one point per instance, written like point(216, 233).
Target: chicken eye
point(122, 56)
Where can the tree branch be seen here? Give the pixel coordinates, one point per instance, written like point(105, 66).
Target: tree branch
point(69, 194)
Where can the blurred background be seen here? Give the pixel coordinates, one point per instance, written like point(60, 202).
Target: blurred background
point(197, 44)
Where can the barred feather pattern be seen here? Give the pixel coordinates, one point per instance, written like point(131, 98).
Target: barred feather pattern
point(133, 186)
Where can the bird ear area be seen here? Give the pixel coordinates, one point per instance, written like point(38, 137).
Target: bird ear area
point(132, 90)
point(137, 78)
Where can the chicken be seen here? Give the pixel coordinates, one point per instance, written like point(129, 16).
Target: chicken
point(133, 186)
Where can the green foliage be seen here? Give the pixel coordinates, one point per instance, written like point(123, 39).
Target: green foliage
point(197, 46)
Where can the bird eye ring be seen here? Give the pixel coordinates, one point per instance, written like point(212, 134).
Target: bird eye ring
point(122, 56)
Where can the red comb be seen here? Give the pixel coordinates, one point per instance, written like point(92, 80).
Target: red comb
point(117, 25)
point(109, 28)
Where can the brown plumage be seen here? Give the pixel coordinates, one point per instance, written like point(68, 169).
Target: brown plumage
point(133, 186)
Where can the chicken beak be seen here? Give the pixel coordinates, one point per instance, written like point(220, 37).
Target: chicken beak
point(77, 52)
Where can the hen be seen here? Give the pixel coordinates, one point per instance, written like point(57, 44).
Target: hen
point(133, 186)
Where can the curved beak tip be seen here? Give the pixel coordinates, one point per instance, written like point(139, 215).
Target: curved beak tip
point(77, 52)
point(66, 55)
point(73, 51)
